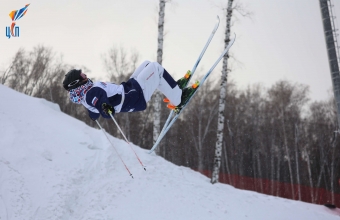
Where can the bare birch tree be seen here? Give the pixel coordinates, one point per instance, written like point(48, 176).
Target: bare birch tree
point(287, 100)
point(157, 97)
point(220, 122)
point(297, 159)
point(331, 112)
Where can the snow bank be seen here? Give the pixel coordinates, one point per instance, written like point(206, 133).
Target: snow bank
point(53, 166)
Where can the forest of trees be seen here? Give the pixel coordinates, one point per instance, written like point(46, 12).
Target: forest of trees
point(274, 133)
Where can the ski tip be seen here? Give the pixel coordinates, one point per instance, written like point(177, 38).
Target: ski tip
point(232, 40)
point(216, 25)
point(234, 36)
point(144, 168)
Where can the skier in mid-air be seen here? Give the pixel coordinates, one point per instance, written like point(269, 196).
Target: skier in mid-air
point(101, 98)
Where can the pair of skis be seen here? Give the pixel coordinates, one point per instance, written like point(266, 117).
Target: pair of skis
point(174, 114)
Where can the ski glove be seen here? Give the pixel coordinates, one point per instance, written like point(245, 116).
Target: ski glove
point(108, 109)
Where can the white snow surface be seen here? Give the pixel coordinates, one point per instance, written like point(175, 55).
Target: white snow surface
point(53, 166)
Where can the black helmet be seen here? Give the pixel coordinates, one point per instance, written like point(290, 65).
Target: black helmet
point(73, 79)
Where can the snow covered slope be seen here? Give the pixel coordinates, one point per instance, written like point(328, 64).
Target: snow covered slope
point(53, 166)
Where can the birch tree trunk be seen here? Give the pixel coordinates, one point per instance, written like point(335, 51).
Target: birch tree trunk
point(309, 175)
point(157, 98)
point(332, 166)
point(220, 122)
point(297, 160)
point(278, 175)
point(273, 153)
point(259, 169)
point(287, 152)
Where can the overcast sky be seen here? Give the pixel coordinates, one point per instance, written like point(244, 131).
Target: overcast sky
point(284, 39)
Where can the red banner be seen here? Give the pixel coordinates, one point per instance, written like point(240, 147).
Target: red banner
point(271, 187)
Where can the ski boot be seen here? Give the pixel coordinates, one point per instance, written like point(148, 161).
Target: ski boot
point(187, 93)
point(182, 83)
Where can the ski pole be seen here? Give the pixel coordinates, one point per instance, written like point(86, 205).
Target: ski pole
point(114, 149)
point(127, 140)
